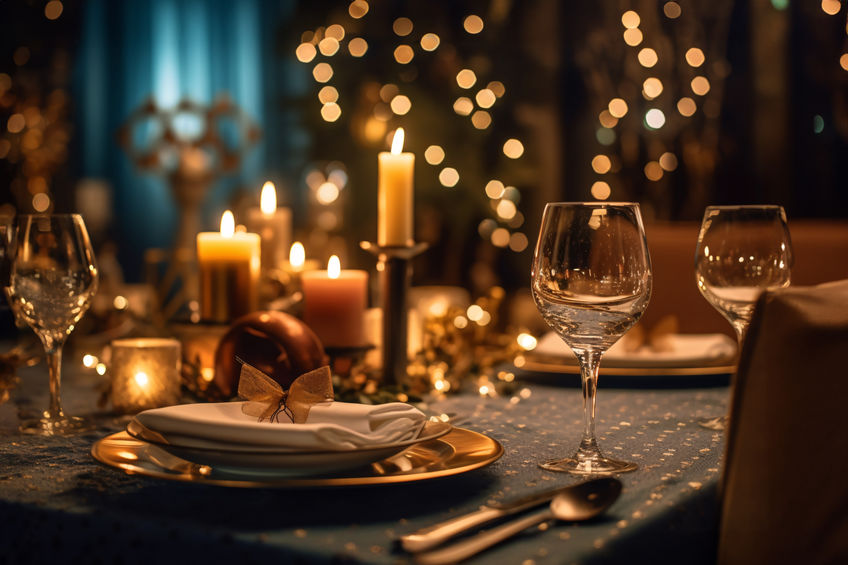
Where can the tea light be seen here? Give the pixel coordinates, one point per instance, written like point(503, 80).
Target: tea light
point(229, 272)
point(394, 194)
point(145, 373)
point(334, 304)
point(274, 226)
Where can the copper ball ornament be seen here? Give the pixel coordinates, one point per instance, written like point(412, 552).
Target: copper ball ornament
point(276, 343)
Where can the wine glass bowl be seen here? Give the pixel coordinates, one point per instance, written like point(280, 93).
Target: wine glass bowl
point(591, 280)
point(52, 279)
point(741, 251)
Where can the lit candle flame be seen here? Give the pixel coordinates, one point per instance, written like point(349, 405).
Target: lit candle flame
point(397, 142)
point(228, 224)
point(334, 267)
point(268, 199)
point(297, 255)
point(141, 379)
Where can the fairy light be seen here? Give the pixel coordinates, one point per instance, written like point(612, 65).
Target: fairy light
point(831, 7)
point(695, 57)
point(608, 120)
point(328, 94)
point(500, 237)
point(404, 54)
point(89, 361)
point(466, 78)
point(327, 193)
point(686, 106)
point(331, 112)
point(647, 57)
point(322, 72)
point(463, 106)
point(53, 9)
point(600, 190)
point(357, 47)
point(630, 19)
point(100, 368)
point(335, 31)
point(653, 171)
point(497, 87)
point(632, 37)
point(449, 177)
point(672, 10)
point(652, 87)
point(473, 24)
point(402, 27)
point(617, 108)
point(513, 148)
point(328, 46)
point(430, 42)
point(843, 61)
point(485, 98)
point(481, 119)
point(494, 189)
point(388, 91)
point(434, 154)
point(526, 341)
point(305, 52)
point(668, 161)
point(654, 118)
point(700, 85)
point(401, 105)
point(601, 164)
point(518, 242)
point(506, 209)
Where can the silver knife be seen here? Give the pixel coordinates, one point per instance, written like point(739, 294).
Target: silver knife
point(432, 536)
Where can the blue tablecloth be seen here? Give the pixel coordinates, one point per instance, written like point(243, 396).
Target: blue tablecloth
point(59, 505)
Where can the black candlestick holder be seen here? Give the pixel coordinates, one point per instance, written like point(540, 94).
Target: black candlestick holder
point(395, 274)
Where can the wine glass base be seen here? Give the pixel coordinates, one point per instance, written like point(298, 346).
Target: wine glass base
point(717, 424)
point(61, 426)
point(593, 466)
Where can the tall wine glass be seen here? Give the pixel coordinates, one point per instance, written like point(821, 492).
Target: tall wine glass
point(591, 280)
point(741, 251)
point(53, 277)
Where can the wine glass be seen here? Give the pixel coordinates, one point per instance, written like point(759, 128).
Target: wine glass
point(591, 280)
point(51, 282)
point(741, 251)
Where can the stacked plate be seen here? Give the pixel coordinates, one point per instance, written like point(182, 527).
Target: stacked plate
point(336, 436)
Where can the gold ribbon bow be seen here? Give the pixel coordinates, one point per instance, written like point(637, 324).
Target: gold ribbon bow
point(267, 400)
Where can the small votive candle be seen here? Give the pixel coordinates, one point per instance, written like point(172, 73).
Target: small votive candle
point(145, 373)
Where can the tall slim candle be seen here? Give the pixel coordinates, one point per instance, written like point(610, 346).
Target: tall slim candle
point(229, 272)
point(395, 194)
point(274, 226)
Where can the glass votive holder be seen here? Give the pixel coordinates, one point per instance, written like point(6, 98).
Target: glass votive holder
point(145, 373)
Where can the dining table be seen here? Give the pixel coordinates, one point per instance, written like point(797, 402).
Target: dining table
point(58, 504)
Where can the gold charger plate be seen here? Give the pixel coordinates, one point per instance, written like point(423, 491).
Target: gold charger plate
point(457, 452)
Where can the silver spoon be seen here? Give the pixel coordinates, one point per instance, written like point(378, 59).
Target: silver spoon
point(581, 503)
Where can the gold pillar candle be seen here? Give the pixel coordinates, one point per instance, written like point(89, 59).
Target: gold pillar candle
point(395, 194)
point(145, 373)
point(229, 272)
point(274, 226)
point(334, 303)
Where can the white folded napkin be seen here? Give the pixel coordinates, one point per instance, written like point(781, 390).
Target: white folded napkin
point(684, 350)
point(331, 426)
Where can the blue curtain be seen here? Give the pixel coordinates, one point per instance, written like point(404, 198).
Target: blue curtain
point(170, 50)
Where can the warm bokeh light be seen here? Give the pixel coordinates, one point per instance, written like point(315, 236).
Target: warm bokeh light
point(686, 106)
point(630, 19)
point(600, 190)
point(401, 104)
point(647, 57)
point(328, 94)
point(53, 10)
point(16, 123)
point(357, 46)
point(449, 177)
point(331, 112)
point(41, 202)
point(404, 54)
point(268, 198)
point(695, 57)
point(506, 209)
point(652, 87)
point(500, 237)
point(513, 148)
point(605, 136)
point(466, 78)
point(322, 72)
point(632, 37)
point(653, 171)
point(485, 98)
point(463, 106)
point(388, 91)
point(494, 189)
point(672, 10)
point(434, 155)
point(357, 9)
point(654, 118)
point(481, 119)
point(328, 46)
point(497, 87)
point(617, 108)
point(831, 7)
point(402, 26)
point(700, 85)
point(518, 242)
point(327, 193)
point(608, 120)
point(601, 164)
point(305, 52)
point(473, 24)
point(335, 31)
point(668, 161)
point(430, 41)
point(843, 61)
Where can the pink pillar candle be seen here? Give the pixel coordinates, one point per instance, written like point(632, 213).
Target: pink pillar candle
point(334, 304)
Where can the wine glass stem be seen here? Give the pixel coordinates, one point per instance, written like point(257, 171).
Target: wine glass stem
point(54, 366)
point(589, 361)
